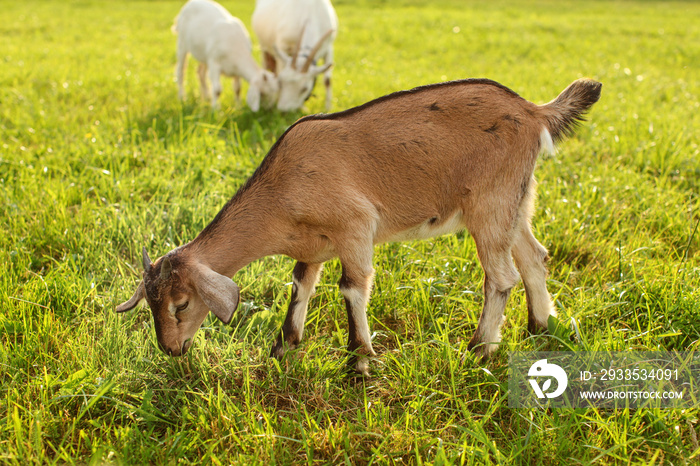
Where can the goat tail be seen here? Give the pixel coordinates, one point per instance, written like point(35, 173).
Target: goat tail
point(563, 114)
point(173, 28)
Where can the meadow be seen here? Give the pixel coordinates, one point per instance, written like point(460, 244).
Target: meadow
point(98, 158)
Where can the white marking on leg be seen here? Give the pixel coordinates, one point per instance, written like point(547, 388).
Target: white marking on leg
point(493, 317)
point(492, 332)
point(501, 276)
point(303, 295)
point(358, 299)
point(530, 257)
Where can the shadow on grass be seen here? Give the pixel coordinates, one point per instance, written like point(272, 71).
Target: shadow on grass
point(174, 122)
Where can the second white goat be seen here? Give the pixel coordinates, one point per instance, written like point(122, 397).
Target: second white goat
point(221, 44)
point(294, 35)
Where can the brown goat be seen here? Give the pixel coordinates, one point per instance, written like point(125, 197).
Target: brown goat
point(409, 165)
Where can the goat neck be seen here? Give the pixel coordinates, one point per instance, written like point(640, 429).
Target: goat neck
point(245, 230)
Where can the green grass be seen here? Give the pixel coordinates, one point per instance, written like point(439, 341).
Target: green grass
point(98, 158)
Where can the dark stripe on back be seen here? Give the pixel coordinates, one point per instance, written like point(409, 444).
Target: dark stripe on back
point(398, 94)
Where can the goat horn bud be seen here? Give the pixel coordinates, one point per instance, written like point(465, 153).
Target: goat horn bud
point(146, 260)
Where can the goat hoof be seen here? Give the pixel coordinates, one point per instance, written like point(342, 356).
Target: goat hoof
point(356, 374)
point(536, 328)
point(278, 349)
point(358, 367)
point(482, 351)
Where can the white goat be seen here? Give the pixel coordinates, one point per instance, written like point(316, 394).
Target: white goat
point(409, 165)
point(294, 35)
point(220, 42)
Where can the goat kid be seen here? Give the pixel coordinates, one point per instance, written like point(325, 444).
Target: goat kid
point(294, 35)
point(410, 165)
point(221, 44)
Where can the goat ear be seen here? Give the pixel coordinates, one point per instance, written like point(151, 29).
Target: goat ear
point(219, 293)
point(138, 296)
point(165, 269)
point(253, 98)
point(321, 69)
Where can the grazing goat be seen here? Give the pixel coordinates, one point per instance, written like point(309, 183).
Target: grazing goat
point(410, 165)
point(294, 35)
point(220, 42)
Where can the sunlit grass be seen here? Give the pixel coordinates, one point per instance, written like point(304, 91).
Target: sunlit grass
point(98, 159)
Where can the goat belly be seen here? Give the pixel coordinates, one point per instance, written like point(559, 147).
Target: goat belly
point(430, 228)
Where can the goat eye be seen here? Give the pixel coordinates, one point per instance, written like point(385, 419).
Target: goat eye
point(182, 307)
